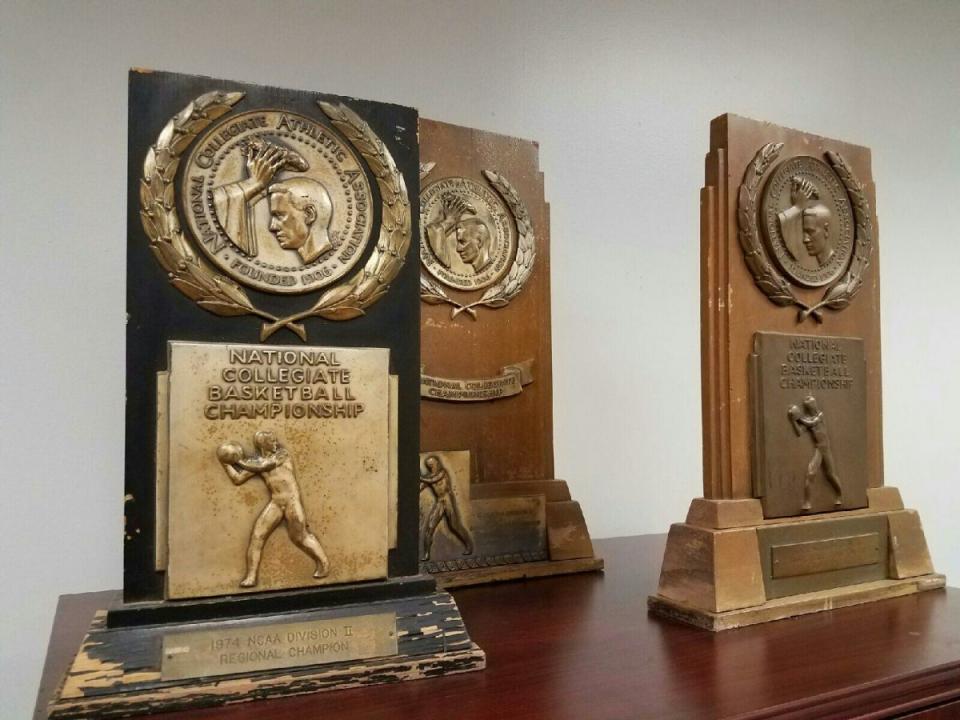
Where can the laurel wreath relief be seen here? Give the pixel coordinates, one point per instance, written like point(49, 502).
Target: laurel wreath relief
point(510, 285)
point(221, 295)
point(765, 275)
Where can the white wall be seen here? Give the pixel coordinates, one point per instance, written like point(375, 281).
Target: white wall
point(619, 95)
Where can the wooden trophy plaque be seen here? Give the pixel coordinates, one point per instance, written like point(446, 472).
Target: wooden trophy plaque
point(491, 508)
point(271, 521)
point(795, 517)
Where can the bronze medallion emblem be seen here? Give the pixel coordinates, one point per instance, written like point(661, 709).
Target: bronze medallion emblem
point(278, 201)
point(808, 221)
point(467, 240)
point(818, 226)
point(473, 239)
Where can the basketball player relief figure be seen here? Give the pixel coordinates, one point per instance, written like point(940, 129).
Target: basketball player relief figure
point(444, 507)
point(810, 419)
point(273, 464)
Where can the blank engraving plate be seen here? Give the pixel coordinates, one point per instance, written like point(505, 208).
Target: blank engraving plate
point(816, 556)
point(229, 650)
point(809, 423)
point(806, 557)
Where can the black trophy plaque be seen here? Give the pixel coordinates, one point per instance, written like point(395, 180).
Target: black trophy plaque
point(271, 494)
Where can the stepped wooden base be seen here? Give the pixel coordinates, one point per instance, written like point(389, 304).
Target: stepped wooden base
point(518, 571)
point(727, 567)
point(794, 605)
point(120, 672)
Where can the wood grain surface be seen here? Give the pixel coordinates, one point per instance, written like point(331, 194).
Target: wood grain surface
point(512, 438)
point(732, 309)
point(584, 647)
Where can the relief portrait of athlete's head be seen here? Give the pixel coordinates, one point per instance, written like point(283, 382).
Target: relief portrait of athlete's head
point(816, 233)
point(300, 215)
point(474, 242)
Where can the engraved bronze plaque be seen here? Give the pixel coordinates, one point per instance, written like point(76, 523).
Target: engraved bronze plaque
point(239, 648)
point(468, 240)
point(808, 221)
point(458, 532)
point(791, 391)
point(278, 467)
point(446, 519)
point(272, 407)
point(810, 423)
point(806, 557)
point(280, 202)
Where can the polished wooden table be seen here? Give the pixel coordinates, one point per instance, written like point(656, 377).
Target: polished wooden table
point(584, 647)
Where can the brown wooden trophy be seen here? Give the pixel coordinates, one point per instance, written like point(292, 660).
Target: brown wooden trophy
point(491, 508)
point(795, 517)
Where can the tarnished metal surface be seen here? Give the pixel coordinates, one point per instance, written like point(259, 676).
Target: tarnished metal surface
point(278, 201)
point(234, 648)
point(468, 243)
point(445, 504)
point(809, 409)
point(467, 238)
point(286, 436)
point(808, 221)
point(805, 557)
point(458, 532)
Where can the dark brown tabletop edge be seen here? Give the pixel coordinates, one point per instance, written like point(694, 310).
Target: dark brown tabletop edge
point(882, 698)
point(885, 698)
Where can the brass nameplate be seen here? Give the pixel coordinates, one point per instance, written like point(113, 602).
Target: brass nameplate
point(230, 650)
point(509, 382)
point(817, 556)
point(808, 556)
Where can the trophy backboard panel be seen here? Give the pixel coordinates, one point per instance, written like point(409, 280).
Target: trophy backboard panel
point(158, 312)
point(503, 351)
point(733, 307)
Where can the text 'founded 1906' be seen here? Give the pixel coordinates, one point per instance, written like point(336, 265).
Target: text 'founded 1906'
point(221, 651)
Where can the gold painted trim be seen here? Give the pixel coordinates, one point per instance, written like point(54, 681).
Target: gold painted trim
point(162, 471)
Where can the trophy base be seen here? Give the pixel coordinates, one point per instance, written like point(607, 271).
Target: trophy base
point(131, 670)
point(783, 608)
point(728, 567)
point(516, 571)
